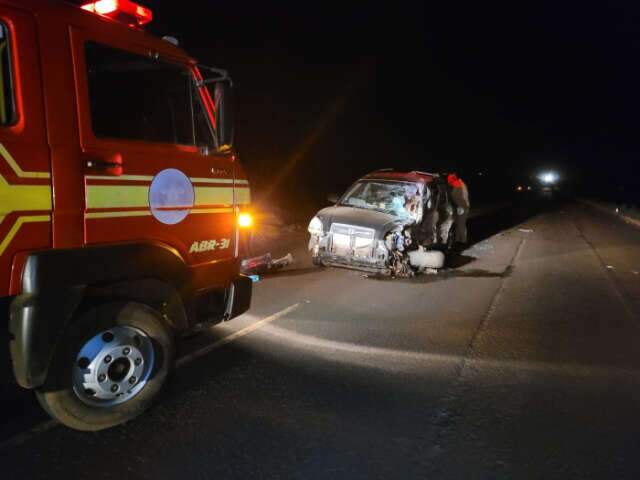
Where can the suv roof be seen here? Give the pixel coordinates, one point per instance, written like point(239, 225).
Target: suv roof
point(404, 176)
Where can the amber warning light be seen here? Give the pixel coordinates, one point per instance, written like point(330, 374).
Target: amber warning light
point(121, 10)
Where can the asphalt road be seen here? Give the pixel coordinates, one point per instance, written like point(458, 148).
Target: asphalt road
point(519, 361)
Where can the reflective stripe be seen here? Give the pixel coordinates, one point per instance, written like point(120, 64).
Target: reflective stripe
point(139, 213)
point(243, 196)
point(149, 178)
point(16, 168)
point(212, 210)
point(104, 196)
point(137, 196)
point(138, 178)
point(214, 195)
point(16, 226)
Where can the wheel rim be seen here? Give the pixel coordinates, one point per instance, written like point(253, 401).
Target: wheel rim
point(113, 366)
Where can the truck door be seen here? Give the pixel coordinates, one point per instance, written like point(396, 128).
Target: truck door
point(25, 180)
point(147, 145)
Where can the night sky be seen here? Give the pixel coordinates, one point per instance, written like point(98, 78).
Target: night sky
point(328, 91)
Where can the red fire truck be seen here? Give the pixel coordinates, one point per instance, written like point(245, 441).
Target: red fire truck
point(122, 205)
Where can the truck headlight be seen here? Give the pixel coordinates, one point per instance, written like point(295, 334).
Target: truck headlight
point(245, 220)
point(315, 226)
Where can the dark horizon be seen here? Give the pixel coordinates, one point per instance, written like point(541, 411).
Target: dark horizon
point(326, 93)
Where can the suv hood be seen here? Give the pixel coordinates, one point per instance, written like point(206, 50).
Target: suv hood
point(381, 222)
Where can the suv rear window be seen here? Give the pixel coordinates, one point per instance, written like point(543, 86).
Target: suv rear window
point(8, 114)
point(140, 98)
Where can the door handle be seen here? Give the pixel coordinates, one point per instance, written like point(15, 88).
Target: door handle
point(108, 165)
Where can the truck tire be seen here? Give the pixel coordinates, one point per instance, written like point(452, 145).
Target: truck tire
point(109, 367)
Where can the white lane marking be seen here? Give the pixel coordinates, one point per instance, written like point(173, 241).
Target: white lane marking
point(23, 437)
point(397, 360)
point(234, 336)
point(43, 427)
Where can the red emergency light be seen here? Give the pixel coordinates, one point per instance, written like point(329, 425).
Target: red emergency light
point(122, 10)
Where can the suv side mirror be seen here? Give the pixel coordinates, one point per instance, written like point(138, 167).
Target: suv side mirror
point(333, 198)
point(224, 114)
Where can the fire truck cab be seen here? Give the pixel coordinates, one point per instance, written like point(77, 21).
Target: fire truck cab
point(122, 205)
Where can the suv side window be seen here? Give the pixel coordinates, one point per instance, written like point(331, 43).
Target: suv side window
point(8, 114)
point(139, 98)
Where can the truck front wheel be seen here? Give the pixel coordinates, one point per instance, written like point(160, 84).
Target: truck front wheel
point(109, 366)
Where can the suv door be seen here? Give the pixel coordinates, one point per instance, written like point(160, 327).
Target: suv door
point(25, 179)
point(146, 142)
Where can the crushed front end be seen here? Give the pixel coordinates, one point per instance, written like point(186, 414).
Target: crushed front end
point(350, 246)
point(396, 228)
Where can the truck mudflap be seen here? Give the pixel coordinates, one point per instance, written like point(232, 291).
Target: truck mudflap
point(239, 297)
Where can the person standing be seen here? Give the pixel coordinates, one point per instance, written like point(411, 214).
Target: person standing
point(460, 199)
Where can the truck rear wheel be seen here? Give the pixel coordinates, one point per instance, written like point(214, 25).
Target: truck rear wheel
point(109, 367)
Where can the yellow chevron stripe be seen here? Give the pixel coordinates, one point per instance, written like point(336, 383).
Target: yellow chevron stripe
point(15, 198)
point(16, 168)
point(16, 226)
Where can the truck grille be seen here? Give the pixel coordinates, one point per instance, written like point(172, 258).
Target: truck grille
point(351, 241)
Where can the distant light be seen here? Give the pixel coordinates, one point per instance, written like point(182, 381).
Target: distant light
point(529, 187)
point(245, 220)
point(519, 188)
point(548, 178)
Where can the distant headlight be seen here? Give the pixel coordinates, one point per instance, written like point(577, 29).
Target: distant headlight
point(548, 178)
point(315, 226)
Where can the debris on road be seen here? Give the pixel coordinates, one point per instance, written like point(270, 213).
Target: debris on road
point(265, 264)
point(525, 230)
point(423, 259)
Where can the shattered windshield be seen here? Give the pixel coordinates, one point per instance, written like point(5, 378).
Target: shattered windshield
point(401, 199)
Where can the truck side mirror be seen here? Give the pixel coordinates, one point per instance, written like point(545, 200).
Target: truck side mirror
point(224, 114)
point(333, 198)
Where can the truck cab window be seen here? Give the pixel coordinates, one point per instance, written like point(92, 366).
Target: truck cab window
point(140, 98)
point(8, 114)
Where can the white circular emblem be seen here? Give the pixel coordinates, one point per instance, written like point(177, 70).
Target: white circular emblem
point(171, 196)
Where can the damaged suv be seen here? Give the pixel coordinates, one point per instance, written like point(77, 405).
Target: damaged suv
point(388, 223)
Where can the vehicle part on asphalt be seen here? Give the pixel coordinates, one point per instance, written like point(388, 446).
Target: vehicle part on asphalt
point(423, 259)
point(265, 264)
